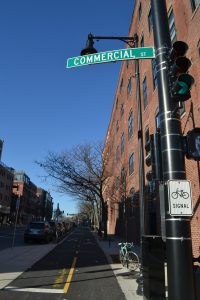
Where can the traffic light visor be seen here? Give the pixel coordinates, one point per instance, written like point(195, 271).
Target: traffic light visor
point(181, 65)
point(179, 48)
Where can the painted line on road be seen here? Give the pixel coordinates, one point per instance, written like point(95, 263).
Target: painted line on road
point(60, 279)
point(34, 290)
point(69, 278)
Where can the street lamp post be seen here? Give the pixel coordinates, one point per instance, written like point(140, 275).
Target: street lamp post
point(132, 42)
point(17, 205)
point(89, 49)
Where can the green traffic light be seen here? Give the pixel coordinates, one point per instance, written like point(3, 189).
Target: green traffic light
point(184, 88)
point(183, 84)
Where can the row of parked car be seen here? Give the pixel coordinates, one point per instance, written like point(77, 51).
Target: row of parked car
point(44, 231)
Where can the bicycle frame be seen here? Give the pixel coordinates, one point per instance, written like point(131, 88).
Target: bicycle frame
point(125, 247)
point(128, 256)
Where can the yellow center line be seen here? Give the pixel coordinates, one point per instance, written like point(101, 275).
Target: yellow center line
point(69, 278)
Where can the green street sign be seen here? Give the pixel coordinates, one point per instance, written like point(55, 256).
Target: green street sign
point(109, 56)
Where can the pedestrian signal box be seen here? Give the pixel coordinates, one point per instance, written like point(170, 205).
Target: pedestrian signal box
point(193, 144)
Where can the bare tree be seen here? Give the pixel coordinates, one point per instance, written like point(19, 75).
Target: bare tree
point(118, 190)
point(79, 172)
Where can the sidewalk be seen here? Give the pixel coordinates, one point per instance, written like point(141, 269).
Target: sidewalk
point(125, 278)
point(14, 261)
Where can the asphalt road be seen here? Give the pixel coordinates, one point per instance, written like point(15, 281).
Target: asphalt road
point(75, 269)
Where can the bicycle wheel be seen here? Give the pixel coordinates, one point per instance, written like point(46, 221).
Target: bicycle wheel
point(133, 261)
point(121, 257)
point(174, 195)
point(185, 195)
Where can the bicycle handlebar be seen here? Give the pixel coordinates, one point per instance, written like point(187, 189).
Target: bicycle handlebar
point(125, 244)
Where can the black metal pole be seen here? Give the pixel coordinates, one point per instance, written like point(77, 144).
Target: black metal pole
point(140, 280)
point(178, 232)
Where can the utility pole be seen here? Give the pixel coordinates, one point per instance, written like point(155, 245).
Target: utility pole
point(178, 232)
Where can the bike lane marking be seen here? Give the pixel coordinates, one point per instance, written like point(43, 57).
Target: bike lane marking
point(69, 277)
point(60, 279)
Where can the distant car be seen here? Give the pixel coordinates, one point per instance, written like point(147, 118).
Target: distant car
point(39, 231)
point(56, 230)
point(61, 228)
point(53, 226)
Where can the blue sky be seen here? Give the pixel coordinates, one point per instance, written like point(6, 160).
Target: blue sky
point(44, 106)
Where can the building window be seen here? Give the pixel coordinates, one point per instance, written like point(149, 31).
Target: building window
point(112, 167)
point(117, 183)
point(117, 126)
point(116, 105)
point(157, 119)
point(18, 177)
point(122, 143)
point(130, 125)
point(131, 164)
point(150, 22)
point(172, 28)
point(117, 154)
point(129, 86)
point(122, 110)
point(142, 41)
point(140, 11)
point(146, 135)
point(144, 84)
point(182, 109)
point(194, 4)
point(121, 86)
point(122, 175)
point(154, 73)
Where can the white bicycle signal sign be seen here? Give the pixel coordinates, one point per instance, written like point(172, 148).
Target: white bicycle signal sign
point(180, 193)
point(180, 199)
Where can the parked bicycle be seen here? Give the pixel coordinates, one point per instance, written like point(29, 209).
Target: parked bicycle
point(127, 256)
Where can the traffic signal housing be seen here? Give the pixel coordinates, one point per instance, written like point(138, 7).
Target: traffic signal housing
point(179, 80)
point(193, 144)
point(153, 157)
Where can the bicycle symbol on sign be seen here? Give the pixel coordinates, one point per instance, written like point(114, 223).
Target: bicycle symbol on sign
point(180, 193)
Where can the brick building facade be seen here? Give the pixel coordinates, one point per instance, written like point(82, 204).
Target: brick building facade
point(35, 203)
point(45, 204)
point(6, 182)
point(121, 190)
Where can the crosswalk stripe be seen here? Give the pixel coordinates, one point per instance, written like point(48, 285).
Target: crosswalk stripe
point(34, 290)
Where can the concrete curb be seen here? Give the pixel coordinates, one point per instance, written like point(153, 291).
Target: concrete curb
point(126, 279)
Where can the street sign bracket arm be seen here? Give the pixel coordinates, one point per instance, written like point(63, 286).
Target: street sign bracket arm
point(128, 40)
